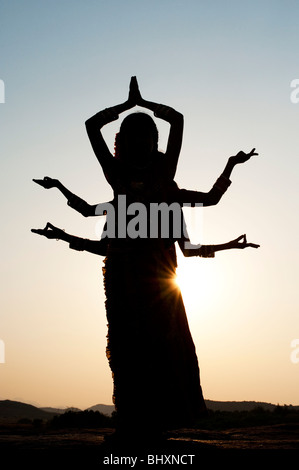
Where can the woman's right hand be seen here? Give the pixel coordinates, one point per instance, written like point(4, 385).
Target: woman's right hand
point(47, 182)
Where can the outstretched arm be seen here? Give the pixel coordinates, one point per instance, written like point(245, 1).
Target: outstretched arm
point(98, 247)
point(173, 117)
point(73, 201)
point(208, 251)
point(212, 197)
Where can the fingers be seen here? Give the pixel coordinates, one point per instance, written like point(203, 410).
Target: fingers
point(38, 181)
point(49, 231)
point(47, 182)
point(49, 225)
point(46, 178)
point(137, 86)
point(248, 245)
point(133, 83)
point(237, 240)
point(244, 243)
point(39, 231)
point(253, 152)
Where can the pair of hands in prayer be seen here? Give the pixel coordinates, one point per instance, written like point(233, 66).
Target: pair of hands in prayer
point(134, 97)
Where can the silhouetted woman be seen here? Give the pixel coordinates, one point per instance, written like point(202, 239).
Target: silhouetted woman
point(150, 349)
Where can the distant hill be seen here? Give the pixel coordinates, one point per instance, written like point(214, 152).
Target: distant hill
point(211, 405)
point(15, 410)
point(59, 411)
point(237, 405)
point(105, 409)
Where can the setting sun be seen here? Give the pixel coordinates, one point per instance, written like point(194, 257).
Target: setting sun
point(191, 281)
point(187, 280)
point(201, 283)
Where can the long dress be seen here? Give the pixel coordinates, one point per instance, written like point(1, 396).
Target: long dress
point(149, 345)
point(150, 348)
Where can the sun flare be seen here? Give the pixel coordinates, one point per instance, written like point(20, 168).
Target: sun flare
point(188, 280)
point(193, 277)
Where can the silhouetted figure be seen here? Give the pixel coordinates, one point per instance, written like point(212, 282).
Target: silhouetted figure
point(150, 348)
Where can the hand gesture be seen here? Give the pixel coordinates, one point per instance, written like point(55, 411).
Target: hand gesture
point(50, 232)
point(47, 182)
point(134, 93)
point(242, 157)
point(237, 243)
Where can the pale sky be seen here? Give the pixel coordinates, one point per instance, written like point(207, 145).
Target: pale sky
point(227, 67)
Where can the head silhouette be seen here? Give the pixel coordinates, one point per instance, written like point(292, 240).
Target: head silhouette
point(137, 139)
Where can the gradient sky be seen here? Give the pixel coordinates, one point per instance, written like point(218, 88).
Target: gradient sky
point(227, 66)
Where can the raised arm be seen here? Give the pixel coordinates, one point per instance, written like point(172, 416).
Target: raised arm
point(173, 117)
point(93, 128)
point(73, 201)
point(212, 197)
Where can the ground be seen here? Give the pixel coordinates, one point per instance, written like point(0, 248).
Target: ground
point(88, 448)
